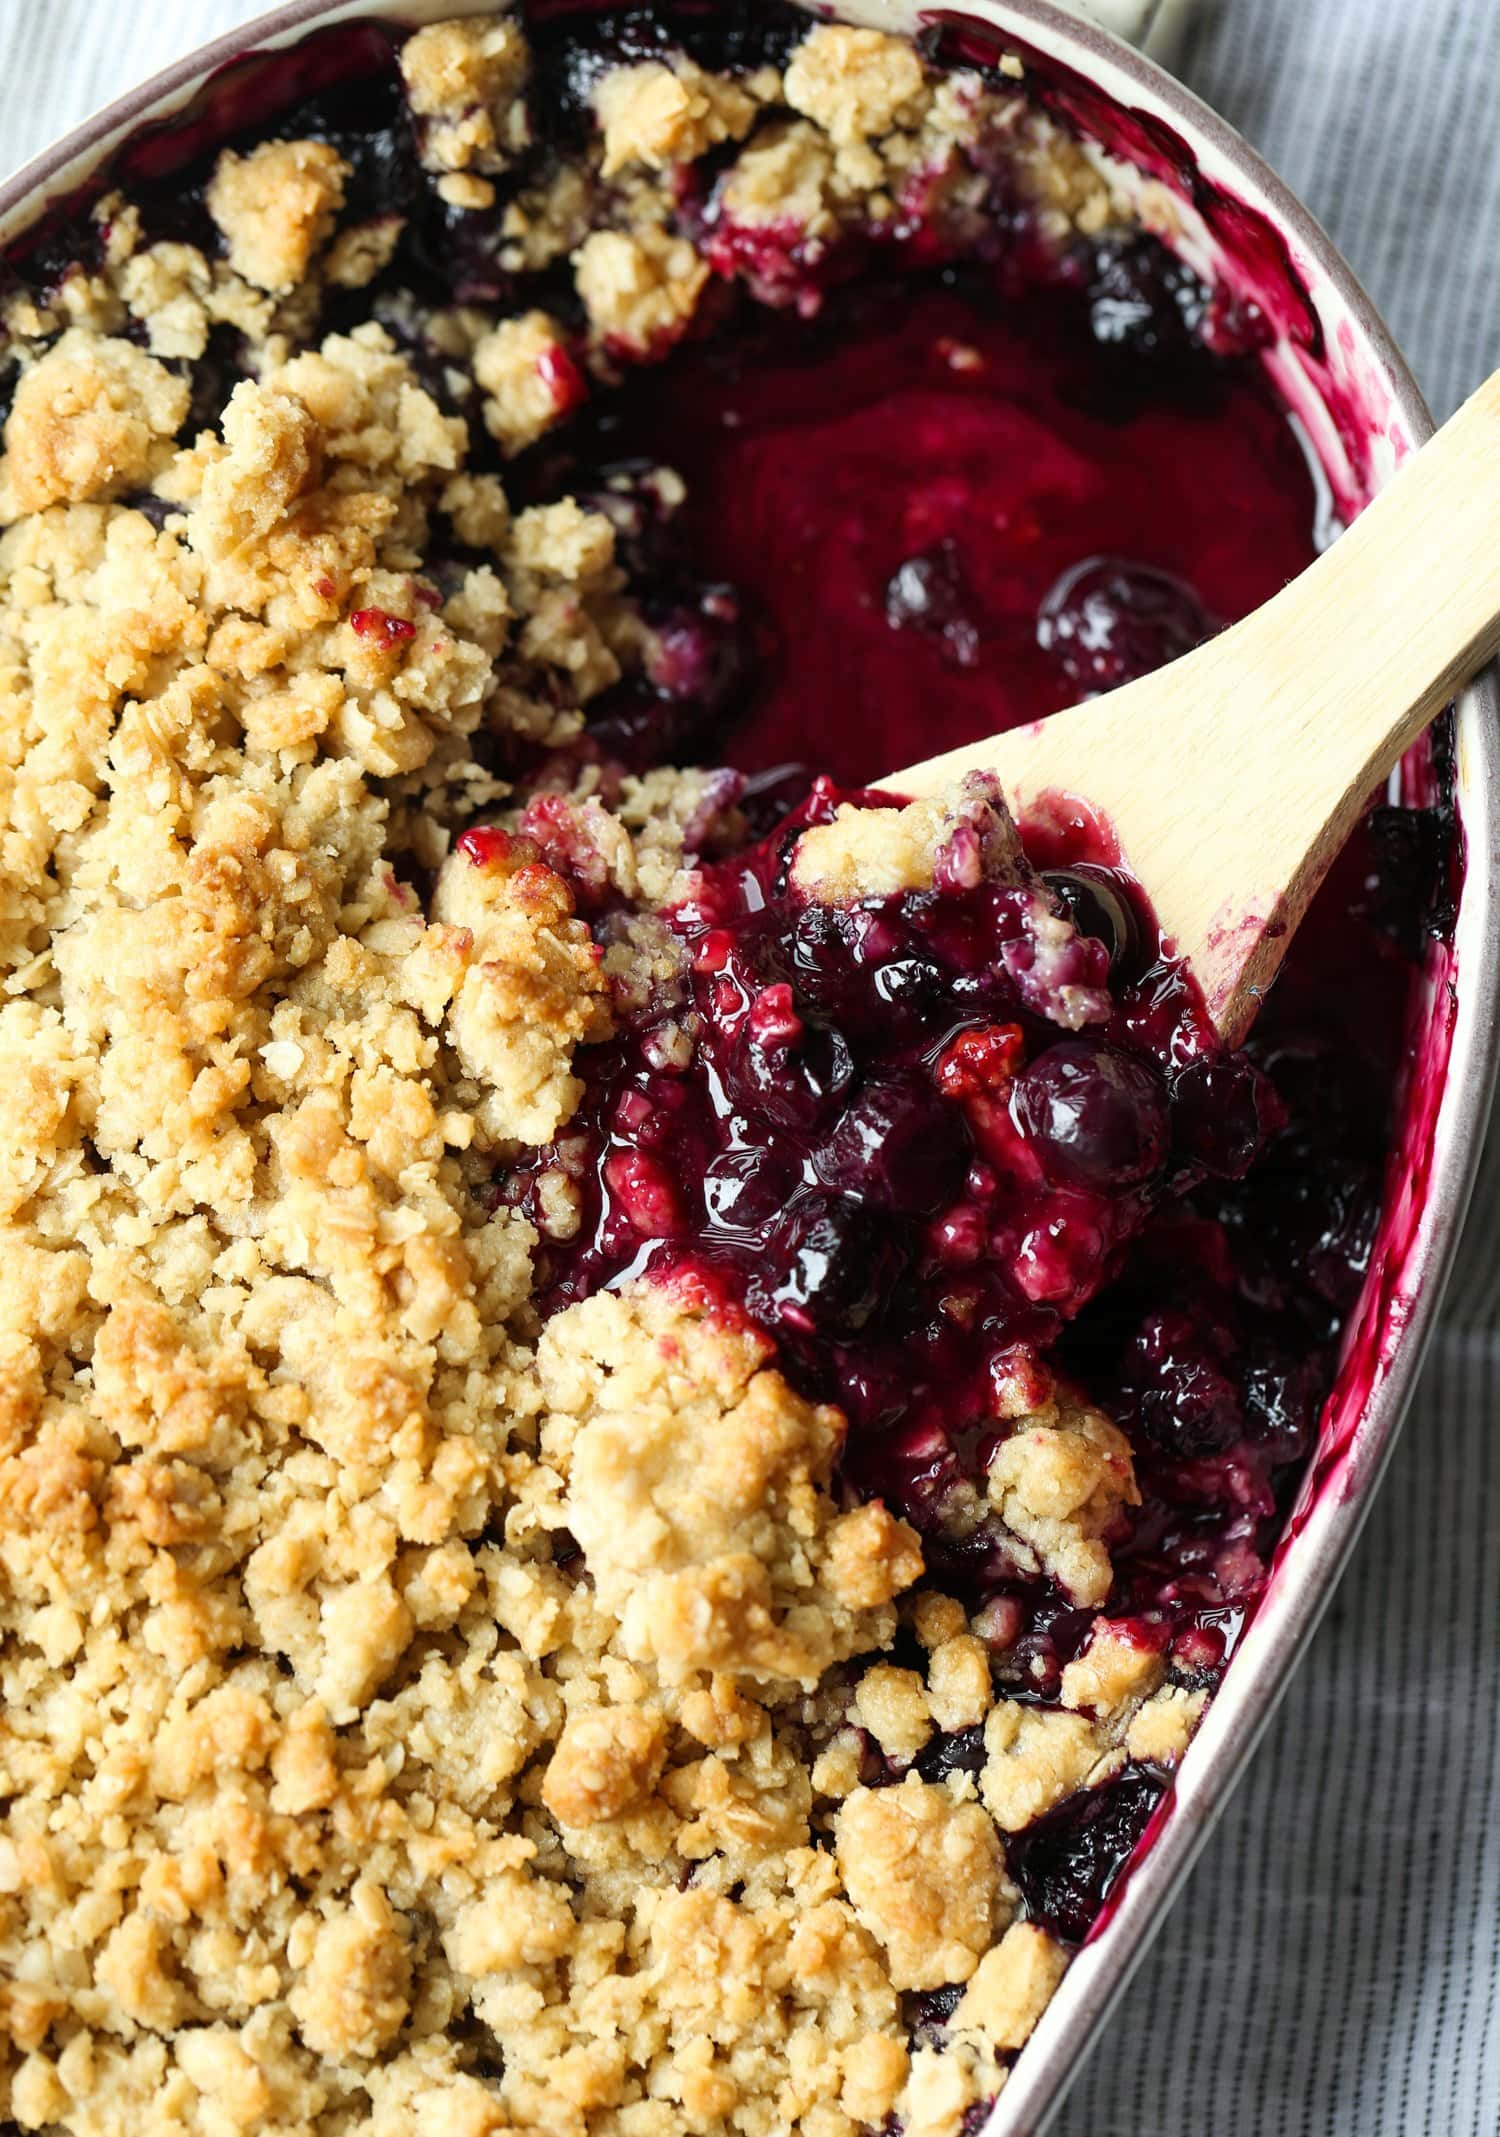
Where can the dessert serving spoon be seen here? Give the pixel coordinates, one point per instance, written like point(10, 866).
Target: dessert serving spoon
point(1229, 780)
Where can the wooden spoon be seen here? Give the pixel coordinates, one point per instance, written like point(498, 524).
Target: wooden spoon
point(1231, 778)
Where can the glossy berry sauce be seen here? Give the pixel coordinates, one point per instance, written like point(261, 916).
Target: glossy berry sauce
point(950, 505)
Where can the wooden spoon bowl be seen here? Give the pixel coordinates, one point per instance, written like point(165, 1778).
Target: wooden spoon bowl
point(1230, 779)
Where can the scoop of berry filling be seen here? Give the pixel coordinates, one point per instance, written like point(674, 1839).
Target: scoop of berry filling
point(897, 1104)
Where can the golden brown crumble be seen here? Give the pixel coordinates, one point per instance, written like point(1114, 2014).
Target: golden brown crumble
point(1114, 1669)
point(640, 288)
point(959, 1688)
point(785, 176)
point(510, 363)
point(657, 114)
point(1059, 1483)
point(606, 1761)
point(874, 853)
point(892, 1704)
point(696, 1482)
point(417, 1719)
point(93, 418)
point(926, 1876)
point(1036, 1757)
point(466, 81)
point(1161, 1730)
point(1011, 1986)
point(276, 206)
point(854, 83)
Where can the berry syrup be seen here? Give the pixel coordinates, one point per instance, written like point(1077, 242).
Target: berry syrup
point(952, 507)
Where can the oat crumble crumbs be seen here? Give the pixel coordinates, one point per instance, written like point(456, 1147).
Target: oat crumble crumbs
point(419, 1718)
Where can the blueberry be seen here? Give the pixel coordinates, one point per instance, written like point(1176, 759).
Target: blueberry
point(823, 951)
point(927, 2011)
point(1107, 621)
point(828, 957)
point(827, 1270)
point(1051, 1641)
point(743, 1190)
point(875, 1769)
point(1223, 1111)
point(1323, 1208)
point(792, 1081)
point(1097, 1117)
point(864, 968)
point(1067, 1863)
point(960, 1751)
point(1097, 907)
point(906, 989)
point(1411, 887)
point(1282, 1399)
point(700, 652)
point(1184, 1400)
point(897, 1146)
point(927, 594)
point(1143, 299)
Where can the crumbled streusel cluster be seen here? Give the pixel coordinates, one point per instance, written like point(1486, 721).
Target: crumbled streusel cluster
point(418, 1718)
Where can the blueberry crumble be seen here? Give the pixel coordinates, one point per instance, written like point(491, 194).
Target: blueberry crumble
point(644, 1385)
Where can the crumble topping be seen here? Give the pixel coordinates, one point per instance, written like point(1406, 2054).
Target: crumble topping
point(527, 378)
point(416, 1716)
point(925, 1875)
point(607, 1760)
point(1160, 1731)
point(530, 986)
point(466, 80)
point(1011, 1987)
point(960, 1692)
point(93, 417)
point(1036, 1758)
point(873, 853)
point(697, 1486)
point(1115, 1668)
point(785, 177)
point(1059, 1483)
point(276, 207)
point(656, 114)
point(640, 288)
point(854, 83)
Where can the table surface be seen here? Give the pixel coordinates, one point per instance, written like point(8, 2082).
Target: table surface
point(1334, 1965)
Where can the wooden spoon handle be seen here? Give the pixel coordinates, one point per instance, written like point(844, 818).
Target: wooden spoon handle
point(1231, 778)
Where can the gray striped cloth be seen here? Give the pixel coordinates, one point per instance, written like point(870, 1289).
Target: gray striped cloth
point(1334, 1962)
point(1334, 1965)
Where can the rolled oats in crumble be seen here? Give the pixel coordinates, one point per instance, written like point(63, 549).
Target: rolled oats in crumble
point(481, 1653)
